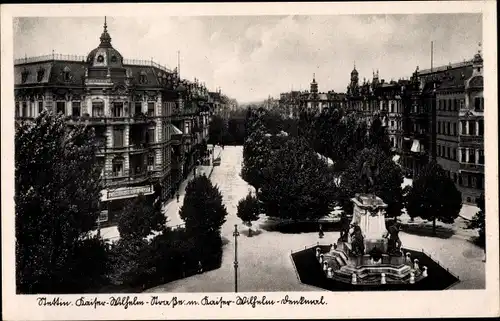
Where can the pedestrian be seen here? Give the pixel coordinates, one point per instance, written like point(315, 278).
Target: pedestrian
point(321, 234)
point(177, 195)
point(200, 267)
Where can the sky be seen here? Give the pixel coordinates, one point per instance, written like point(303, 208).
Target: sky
point(252, 57)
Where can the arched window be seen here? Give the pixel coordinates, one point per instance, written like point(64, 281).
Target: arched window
point(118, 166)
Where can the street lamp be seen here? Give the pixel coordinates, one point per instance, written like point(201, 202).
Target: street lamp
point(236, 234)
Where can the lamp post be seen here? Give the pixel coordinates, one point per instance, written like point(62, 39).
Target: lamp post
point(236, 234)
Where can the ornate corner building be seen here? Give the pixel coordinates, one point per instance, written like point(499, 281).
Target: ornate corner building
point(151, 125)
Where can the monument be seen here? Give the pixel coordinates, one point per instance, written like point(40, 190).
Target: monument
point(368, 252)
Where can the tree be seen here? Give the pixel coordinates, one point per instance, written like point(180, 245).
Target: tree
point(479, 221)
point(256, 153)
point(216, 130)
point(203, 210)
point(248, 211)
point(386, 185)
point(297, 183)
point(434, 196)
point(377, 136)
point(140, 218)
point(57, 191)
point(204, 213)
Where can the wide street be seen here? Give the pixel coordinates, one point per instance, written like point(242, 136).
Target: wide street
point(264, 259)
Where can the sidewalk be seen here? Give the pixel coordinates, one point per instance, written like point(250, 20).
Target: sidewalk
point(171, 208)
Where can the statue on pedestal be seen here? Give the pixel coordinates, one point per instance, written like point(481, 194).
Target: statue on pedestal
point(357, 241)
point(394, 243)
point(344, 229)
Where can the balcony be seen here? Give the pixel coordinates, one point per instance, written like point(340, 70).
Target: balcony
point(470, 167)
point(471, 139)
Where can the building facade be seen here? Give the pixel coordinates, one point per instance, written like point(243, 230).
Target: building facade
point(136, 109)
point(436, 114)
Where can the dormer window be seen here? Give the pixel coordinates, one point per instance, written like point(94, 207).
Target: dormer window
point(100, 58)
point(114, 59)
point(40, 74)
point(143, 77)
point(67, 74)
point(24, 76)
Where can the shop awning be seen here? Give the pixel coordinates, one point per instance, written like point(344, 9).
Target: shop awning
point(175, 130)
point(416, 146)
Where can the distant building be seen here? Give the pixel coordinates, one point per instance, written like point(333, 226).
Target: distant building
point(436, 114)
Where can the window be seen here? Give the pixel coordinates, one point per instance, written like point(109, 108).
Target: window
point(392, 123)
point(114, 59)
point(100, 58)
point(143, 77)
point(392, 142)
point(118, 137)
point(151, 109)
point(151, 159)
point(448, 152)
point(25, 109)
point(477, 104)
point(480, 182)
point(463, 127)
point(455, 129)
point(481, 157)
point(469, 183)
point(97, 109)
point(18, 111)
point(66, 74)
point(455, 104)
point(75, 109)
point(100, 164)
point(454, 154)
point(440, 105)
point(137, 108)
point(40, 107)
point(24, 76)
point(392, 107)
point(472, 156)
point(118, 166)
point(462, 154)
point(118, 109)
point(480, 125)
point(472, 127)
point(448, 127)
point(39, 75)
point(460, 180)
point(439, 127)
point(103, 216)
point(462, 104)
point(150, 135)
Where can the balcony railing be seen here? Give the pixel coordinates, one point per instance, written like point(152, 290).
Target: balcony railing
point(471, 139)
point(470, 167)
point(50, 57)
point(80, 58)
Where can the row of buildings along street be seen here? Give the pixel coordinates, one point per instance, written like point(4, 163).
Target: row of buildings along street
point(435, 113)
point(152, 125)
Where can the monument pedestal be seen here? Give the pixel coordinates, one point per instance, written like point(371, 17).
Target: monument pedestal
point(346, 260)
